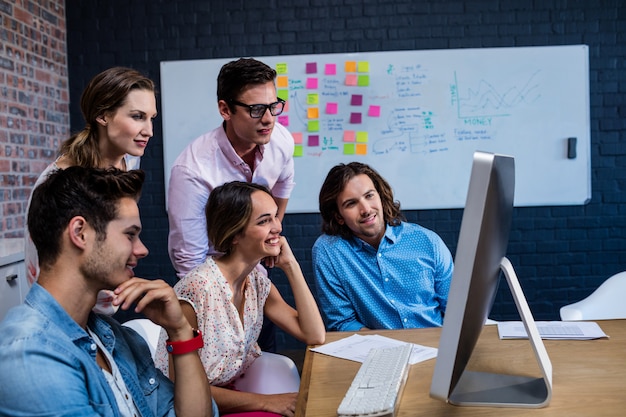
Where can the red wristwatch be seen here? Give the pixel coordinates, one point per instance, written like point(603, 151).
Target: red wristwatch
point(181, 347)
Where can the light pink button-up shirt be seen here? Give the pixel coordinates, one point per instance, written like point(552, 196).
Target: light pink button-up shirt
point(210, 161)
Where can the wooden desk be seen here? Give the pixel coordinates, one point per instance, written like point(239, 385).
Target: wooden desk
point(588, 378)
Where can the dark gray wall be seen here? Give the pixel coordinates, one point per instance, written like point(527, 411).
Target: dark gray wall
point(560, 253)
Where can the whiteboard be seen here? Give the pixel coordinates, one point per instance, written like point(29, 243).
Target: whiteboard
point(416, 117)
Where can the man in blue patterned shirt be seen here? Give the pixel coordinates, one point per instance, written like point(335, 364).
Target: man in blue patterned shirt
point(372, 269)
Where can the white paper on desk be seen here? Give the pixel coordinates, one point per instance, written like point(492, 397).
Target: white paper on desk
point(356, 348)
point(555, 330)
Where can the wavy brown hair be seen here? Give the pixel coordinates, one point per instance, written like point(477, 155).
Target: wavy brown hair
point(105, 93)
point(228, 212)
point(334, 185)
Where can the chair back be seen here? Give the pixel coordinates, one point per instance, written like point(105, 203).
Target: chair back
point(146, 329)
point(606, 302)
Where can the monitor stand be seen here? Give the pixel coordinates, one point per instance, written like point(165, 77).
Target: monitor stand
point(500, 390)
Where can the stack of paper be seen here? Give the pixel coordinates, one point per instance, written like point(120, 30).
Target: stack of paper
point(568, 330)
point(356, 348)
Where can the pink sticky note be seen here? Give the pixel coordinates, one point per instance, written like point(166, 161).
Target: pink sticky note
point(351, 79)
point(356, 99)
point(355, 118)
point(297, 137)
point(311, 68)
point(283, 120)
point(374, 111)
point(311, 83)
point(349, 135)
point(330, 69)
point(331, 108)
point(314, 140)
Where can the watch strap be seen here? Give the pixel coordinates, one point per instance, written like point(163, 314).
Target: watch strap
point(181, 347)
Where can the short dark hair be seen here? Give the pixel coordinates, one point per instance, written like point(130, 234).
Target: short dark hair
point(228, 212)
point(93, 193)
point(236, 76)
point(333, 185)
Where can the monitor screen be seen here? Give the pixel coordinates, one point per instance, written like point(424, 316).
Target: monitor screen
point(481, 249)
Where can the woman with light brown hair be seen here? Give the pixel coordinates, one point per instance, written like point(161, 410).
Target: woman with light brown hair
point(119, 106)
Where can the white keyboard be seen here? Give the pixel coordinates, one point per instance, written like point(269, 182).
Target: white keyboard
point(377, 387)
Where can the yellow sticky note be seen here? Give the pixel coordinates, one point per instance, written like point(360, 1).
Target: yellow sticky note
point(363, 66)
point(350, 66)
point(313, 113)
point(361, 137)
point(282, 81)
point(312, 98)
point(281, 68)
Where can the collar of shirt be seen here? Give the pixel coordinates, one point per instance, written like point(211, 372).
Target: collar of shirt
point(390, 236)
point(229, 151)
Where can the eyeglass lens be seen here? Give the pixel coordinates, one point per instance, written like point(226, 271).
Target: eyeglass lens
point(258, 110)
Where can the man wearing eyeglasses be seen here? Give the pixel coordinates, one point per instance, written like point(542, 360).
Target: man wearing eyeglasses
point(248, 146)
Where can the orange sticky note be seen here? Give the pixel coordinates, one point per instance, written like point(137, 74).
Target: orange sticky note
point(313, 113)
point(282, 81)
point(350, 66)
point(361, 149)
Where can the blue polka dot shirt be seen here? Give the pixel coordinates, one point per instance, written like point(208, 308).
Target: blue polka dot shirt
point(403, 284)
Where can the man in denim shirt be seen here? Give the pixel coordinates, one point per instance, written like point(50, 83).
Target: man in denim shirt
point(57, 357)
point(372, 269)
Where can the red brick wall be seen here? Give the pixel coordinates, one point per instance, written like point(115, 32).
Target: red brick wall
point(34, 100)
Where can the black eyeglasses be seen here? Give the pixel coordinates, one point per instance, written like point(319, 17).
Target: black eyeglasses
point(258, 110)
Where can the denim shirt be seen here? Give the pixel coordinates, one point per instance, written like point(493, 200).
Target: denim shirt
point(48, 364)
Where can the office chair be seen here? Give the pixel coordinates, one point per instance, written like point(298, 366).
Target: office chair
point(606, 302)
point(146, 329)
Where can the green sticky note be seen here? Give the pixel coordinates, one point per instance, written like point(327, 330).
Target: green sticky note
point(314, 126)
point(298, 150)
point(312, 98)
point(283, 94)
point(349, 148)
point(281, 68)
point(363, 80)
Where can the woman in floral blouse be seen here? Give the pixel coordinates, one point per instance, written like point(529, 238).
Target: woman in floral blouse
point(227, 296)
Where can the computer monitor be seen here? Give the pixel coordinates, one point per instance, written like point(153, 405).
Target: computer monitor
point(480, 256)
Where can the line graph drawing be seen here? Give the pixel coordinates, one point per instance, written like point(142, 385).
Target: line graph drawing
point(488, 100)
